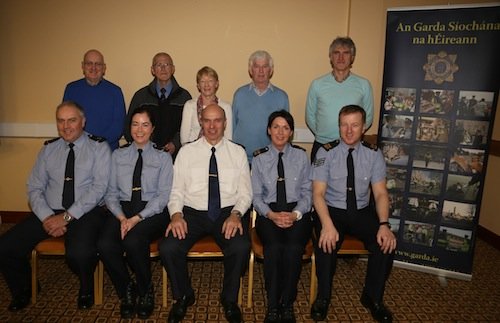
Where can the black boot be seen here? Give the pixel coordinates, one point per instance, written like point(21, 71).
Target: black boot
point(146, 304)
point(127, 306)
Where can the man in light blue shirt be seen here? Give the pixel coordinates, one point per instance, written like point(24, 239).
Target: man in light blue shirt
point(254, 102)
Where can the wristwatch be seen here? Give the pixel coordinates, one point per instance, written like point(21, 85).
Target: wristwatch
point(385, 223)
point(67, 217)
point(238, 213)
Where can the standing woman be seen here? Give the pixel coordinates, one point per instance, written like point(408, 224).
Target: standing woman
point(138, 192)
point(207, 82)
point(282, 198)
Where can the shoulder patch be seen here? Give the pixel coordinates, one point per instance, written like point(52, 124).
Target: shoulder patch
point(319, 162)
point(51, 141)
point(260, 151)
point(298, 147)
point(368, 145)
point(330, 145)
point(97, 138)
point(126, 145)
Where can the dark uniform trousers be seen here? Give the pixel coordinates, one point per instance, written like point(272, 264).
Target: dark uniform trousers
point(80, 243)
point(173, 252)
point(364, 225)
point(283, 250)
point(135, 245)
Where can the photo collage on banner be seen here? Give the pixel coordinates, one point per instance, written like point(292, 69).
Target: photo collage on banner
point(436, 119)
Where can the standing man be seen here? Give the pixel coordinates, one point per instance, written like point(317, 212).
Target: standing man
point(210, 194)
point(342, 175)
point(254, 102)
point(102, 100)
point(165, 93)
point(330, 92)
point(65, 187)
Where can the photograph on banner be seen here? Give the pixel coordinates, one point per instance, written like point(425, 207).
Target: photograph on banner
point(394, 226)
point(434, 101)
point(432, 157)
point(395, 204)
point(433, 129)
point(453, 239)
point(467, 161)
point(462, 188)
point(396, 179)
point(458, 214)
point(419, 233)
point(395, 153)
point(426, 182)
point(400, 99)
point(471, 132)
point(396, 126)
point(422, 209)
point(475, 104)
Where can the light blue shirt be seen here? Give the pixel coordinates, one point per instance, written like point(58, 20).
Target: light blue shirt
point(326, 97)
point(298, 184)
point(46, 181)
point(331, 167)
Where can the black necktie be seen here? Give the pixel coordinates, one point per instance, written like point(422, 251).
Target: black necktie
point(351, 192)
point(280, 185)
point(136, 185)
point(69, 179)
point(162, 96)
point(213, 189)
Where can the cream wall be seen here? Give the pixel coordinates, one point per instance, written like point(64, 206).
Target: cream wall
point(43, 43)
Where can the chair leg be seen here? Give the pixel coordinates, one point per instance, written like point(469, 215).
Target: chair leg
point(314, 281)
point(99, 283)
point(34, 276)
point(250, 279)
point(240, 293)
point(164, 287)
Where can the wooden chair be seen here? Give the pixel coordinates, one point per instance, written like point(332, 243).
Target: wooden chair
point(55, 247)
point(204, 248)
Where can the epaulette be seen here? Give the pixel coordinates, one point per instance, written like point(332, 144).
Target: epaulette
point(234, 142)
point(260, 151)
point(155, 146)
point(368, 145)
point(126, 145)
point(331, 145)
point(298, 147)
point(97, 138)
point(51, 141)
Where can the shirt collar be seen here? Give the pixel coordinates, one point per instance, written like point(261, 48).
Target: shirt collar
point(260, 92)
point(168, 88)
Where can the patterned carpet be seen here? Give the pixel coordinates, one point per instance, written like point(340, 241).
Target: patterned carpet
point(412, 296)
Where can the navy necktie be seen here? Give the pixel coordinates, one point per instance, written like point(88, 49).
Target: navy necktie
point(351, 192)
point(69, 179)
point(162, 96)
point(280, 185)
point(213, 188)
point(136, 185)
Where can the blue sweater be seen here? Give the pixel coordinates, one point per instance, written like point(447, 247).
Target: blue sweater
point(250, 115)
point(104, 107)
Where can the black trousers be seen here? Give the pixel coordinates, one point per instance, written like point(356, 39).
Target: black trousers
point(173, 253)
point(80, 243)
point(364, 225)
point(283, 250)
point(135, 245)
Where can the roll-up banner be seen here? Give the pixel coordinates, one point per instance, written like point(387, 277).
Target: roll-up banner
point(439, 96)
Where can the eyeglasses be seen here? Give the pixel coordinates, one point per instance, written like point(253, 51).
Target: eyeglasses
point(162, 65)
point(95, 64)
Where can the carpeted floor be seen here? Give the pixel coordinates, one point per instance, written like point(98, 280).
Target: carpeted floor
point(412, 296)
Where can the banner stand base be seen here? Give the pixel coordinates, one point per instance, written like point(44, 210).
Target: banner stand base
point(441, 273)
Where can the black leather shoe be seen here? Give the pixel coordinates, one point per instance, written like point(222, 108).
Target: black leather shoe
point(85, 301)
point(272, 316)
point(232, 312)
point(20, 301)
point(179, 309)
point(379, 312)
point(146, 304)
point(287, 314)
point(319, 309)
point(127, 306)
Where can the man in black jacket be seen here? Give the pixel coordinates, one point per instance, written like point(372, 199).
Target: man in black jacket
point(165, 93)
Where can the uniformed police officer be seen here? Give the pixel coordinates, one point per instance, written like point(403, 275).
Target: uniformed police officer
point(338, 214)
point(80, 221)
point(284, 227)
point(133, 227)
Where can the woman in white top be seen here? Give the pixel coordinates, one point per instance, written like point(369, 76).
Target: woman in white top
point(207, 82)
